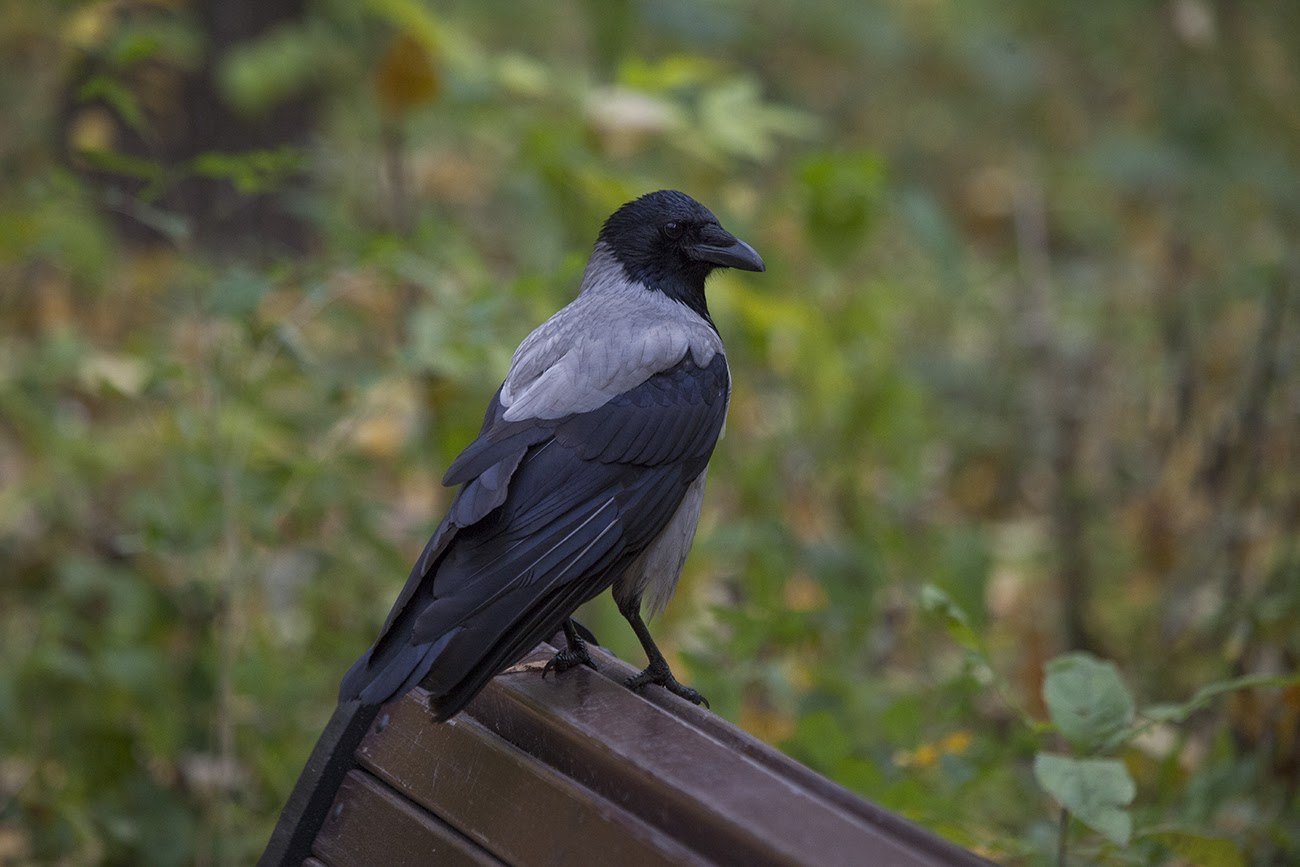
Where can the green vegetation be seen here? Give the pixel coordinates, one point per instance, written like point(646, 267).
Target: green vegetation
point(1006, 520)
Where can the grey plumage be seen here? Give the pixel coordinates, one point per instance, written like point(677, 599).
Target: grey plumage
point(652, 577)
point(588, 471)
point(614, 336)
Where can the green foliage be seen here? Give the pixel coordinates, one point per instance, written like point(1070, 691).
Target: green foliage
point(261, 74)
point(1202, 850)
point(1020, 379)
point(1087, 701)
point(251, 172)
point(845, 193)
point(1096, 791)
point(1091, 708)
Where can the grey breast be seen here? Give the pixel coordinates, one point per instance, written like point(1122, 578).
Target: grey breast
point(653, 576)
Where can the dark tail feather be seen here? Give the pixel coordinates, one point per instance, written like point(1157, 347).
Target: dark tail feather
point(403, 670)
point(512, 644)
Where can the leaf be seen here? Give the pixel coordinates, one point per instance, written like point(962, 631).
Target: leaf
point(117, 96)
point(238, 292)
point(937, 601)
point(124, 374)
point(675, 72)
point(127, 165)
point(521, 75)
point(406, 76)
point(1096, 791)
point(735, 119)
point(627, 119)
point(1087, 700)
point(413, 18)
point(257, 75)
point(251, 172)
point(1200, 849)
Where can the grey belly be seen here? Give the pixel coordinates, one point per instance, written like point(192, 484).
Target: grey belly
point(652, 577)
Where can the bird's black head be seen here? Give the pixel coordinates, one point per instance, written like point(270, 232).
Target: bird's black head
point(670, 243)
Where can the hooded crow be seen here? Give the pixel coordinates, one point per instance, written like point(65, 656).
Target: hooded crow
point(588, 472)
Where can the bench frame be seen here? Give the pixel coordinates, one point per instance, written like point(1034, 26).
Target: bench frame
point(646, 776)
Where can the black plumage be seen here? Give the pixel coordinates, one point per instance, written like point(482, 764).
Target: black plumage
point(588, 471)
point(583, 496)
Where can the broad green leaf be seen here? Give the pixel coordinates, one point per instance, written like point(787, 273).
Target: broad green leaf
point(1086, 700)
point(1200, 849)
point(1096, 791)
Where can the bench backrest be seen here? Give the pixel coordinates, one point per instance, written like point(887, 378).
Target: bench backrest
point(575, 769)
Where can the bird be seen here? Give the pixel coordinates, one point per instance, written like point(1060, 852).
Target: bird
point(588, 472)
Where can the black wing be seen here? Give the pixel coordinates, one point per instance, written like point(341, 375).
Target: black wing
point(550, 514)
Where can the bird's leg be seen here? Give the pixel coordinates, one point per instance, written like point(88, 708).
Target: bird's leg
point(657, 671)
point(575, 654)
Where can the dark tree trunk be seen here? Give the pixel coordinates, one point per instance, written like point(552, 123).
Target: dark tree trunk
point(197, 120)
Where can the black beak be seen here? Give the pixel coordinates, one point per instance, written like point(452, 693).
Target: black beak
point(719, 247)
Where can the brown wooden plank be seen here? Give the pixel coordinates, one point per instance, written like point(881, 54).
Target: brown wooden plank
point(371, 825)
point(919, 839)
point(719, 802)
point(519, 809)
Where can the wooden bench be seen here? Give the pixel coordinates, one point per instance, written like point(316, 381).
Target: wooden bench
point(574, 769)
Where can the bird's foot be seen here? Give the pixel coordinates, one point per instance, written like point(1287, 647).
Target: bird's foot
point(573, 655)
point(658, 672)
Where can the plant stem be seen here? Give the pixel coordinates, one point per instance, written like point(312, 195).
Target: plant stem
point(1062, 838)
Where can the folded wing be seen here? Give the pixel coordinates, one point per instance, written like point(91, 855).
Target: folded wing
point(550, 513)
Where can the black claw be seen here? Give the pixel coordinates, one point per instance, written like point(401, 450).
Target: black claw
point(663, 676)
point(567, 659)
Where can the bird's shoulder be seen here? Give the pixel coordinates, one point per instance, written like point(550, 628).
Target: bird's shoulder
point(609, 340)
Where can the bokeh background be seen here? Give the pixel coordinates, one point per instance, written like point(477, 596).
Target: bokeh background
point(1021, 378)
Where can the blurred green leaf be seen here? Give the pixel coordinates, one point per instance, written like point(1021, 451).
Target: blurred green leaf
point(1087, 700)
point(736, 120)
point(117, 96)
point(936, 601)
point(252, 172)
point(131, 166)
point(260, 74)
point(1096, 791)
point(1201, 849)
point(843, 197)
point(238, 292)
point(676, 72)
point(416, 19)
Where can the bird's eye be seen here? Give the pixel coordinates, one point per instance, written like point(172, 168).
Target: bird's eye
point(673, 230)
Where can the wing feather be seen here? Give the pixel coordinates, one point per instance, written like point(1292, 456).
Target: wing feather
point(551, 512)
